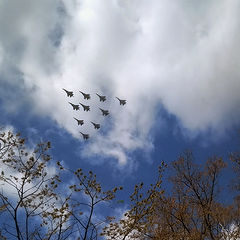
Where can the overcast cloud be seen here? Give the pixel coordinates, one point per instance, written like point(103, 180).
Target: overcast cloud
point(181, 54)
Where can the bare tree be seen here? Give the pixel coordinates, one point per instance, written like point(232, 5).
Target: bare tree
point(191, 208)
point(38, 203)
point(138, 221)
point(28, 192)
point(83, 207)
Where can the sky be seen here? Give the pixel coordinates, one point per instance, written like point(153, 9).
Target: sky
point(175, 62)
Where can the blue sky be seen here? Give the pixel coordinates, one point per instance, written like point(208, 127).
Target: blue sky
point(176, 64)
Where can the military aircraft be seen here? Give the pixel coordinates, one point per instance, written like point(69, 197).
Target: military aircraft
point(85, 136)
point(101, 98)
point(85, 95)
point(104, 112)
point(122, 102)
point(79, 122)
point(69, 93)
point(85, 108)
point(75, 107)
point(96, 125)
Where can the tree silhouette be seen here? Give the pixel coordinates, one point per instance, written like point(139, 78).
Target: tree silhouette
point(42, 200)
point(33, 200)
point(191, 210)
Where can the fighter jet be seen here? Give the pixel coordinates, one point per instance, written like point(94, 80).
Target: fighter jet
point(122, 102)
point(96, 125)
point(79, 122)
point(101, 98)
point(69, 93)
point(104, 112)
point(75, 107)
point(85, 136)
point(85, 108)
point(85, 95)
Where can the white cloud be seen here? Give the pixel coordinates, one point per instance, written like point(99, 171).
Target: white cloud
point(180, 54)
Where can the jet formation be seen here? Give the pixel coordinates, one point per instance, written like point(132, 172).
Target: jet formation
point(85, 95)
point(121, 101)
point(79, 121)
point(75, 106)
point(85, 136)
point(69, 93)
point(104, 112)
point(96, 125)
point(101, 98)
point(86, 108)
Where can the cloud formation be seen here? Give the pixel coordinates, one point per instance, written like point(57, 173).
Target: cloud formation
point(182, 55)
